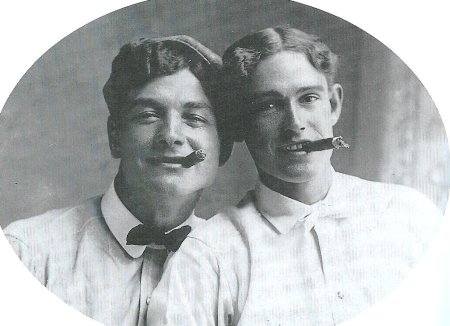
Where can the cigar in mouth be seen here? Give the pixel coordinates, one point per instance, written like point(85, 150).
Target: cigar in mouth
point(324, 144)
point(195, 157)
point(187, 161)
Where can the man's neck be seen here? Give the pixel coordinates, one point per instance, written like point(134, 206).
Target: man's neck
point(162, 209)
point(307, 192)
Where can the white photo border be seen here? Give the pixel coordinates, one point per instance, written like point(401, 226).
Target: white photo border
point(415, 31)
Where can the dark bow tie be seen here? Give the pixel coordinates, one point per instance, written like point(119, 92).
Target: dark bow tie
point(144, 235)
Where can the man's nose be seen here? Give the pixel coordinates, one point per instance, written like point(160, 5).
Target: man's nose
point(170, 132)
point(294, 119)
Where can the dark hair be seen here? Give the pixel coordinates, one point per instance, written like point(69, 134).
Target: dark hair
point(147, 59)
point(243, 56)
point(140, 62)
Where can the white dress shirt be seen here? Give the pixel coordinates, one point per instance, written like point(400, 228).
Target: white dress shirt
point(80, 254)
point(275, 261)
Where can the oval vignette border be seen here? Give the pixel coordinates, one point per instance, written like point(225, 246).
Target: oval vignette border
point(25, 300)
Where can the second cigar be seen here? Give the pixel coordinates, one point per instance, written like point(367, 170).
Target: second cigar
point(194, 158)
point(325, 144)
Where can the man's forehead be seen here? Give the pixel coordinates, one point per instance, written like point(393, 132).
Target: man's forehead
point(180, 87)
point(284, 71)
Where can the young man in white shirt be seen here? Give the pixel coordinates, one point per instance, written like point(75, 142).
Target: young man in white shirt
point(105, 256)
point(308, 246)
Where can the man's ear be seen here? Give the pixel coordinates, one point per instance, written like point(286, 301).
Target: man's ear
point(114, 137)
point(336, 98)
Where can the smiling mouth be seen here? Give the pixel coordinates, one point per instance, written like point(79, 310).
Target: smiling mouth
point(187, 161)
point(294, 147)
point(317, 145)
point(167, 160)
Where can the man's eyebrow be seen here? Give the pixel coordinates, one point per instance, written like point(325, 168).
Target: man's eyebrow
point(146, 102)
point(197, 105)
point(274, 93)
point(310, 88)
point(270, 93)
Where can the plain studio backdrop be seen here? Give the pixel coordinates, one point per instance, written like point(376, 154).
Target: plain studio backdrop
point(54, 150)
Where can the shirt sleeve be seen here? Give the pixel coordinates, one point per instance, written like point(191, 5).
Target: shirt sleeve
point(26, 255)
point(192, 290)
point(417, 219)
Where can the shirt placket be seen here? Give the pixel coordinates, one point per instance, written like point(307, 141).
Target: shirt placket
point(310, 222)
point(152, 267)
point(327, 247)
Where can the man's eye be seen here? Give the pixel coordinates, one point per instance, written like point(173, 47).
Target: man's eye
point(146, 116)
point(265, 106)
point(268, 106)
point(196, 119)
point(309, 98)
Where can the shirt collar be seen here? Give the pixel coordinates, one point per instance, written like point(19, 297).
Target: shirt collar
point(120, 221)
point(284, 212)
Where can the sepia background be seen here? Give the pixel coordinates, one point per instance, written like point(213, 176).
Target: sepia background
point(54, 148)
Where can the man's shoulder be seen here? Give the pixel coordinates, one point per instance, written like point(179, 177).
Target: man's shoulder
point(397, 205)
point(379, 190)
point(57, 223)
point(228, 224)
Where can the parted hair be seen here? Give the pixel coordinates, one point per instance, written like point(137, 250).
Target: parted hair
point(243, 56)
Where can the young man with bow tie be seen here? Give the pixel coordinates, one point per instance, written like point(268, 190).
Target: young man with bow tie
point(105, 256)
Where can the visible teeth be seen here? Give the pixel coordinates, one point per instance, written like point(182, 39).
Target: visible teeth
point(294, 147)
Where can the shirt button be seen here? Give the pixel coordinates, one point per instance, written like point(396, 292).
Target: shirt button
point(340, 295)
point(148, 300)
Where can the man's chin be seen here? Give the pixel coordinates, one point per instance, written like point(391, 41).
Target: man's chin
point(299, 177)
point(296, 173)
point(176, 185)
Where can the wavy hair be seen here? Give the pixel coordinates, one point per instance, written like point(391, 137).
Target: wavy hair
point(242, 57)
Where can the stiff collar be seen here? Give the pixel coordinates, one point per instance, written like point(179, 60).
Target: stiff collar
point(284, 212)
point(120, 221)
